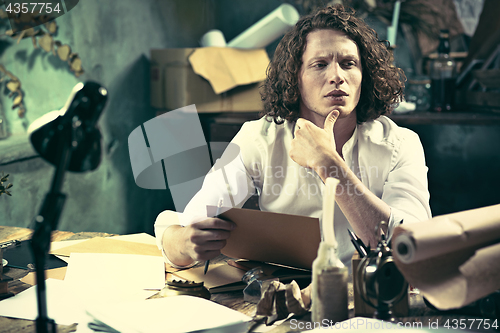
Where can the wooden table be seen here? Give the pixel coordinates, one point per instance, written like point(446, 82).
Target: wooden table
point(16, 286)
point(419, 312)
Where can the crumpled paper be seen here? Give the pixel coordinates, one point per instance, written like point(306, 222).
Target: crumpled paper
point(278, 301)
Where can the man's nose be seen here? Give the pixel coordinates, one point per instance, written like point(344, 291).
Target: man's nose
point(335, 75)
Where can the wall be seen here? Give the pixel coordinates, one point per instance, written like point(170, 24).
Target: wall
point(113, 39)
point(463, 162)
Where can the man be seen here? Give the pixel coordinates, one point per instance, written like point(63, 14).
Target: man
point(327, 86)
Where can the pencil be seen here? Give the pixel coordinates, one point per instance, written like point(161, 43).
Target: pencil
point(219, 205)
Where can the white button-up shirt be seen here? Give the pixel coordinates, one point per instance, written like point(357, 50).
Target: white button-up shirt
point(389, 161)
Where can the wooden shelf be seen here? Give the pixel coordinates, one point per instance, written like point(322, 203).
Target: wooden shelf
point(446, 118)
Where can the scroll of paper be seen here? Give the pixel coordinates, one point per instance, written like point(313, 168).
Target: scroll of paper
point(453, 259)
point(269, 28)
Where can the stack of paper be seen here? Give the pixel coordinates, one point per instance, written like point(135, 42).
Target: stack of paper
point(93, 279)
point(172, 314)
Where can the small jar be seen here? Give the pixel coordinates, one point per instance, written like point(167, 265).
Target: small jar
point(253, 278)
point(418, 92)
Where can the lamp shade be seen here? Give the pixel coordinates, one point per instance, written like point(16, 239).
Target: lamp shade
point(74, 125)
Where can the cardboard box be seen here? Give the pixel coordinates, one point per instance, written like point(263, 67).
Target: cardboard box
point(215, 79)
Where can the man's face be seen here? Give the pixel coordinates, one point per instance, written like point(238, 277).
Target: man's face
point(330, 76)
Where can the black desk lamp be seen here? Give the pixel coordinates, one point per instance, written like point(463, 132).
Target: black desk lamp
point(70, 140)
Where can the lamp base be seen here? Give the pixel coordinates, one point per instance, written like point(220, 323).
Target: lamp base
point(46, 325)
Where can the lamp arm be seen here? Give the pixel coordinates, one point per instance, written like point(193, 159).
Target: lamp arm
point(45, 222)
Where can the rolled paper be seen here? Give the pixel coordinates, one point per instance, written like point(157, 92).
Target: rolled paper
point(447, 234)
point(268, 29)
point(452, 259)
point(213, 37)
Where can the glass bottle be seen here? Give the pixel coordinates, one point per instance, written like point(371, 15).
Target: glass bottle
point(253, 278)
point(329, 287)
point(443, 76)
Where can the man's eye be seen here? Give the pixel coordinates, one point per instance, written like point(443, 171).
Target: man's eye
point(349, 64)
point(319, 65)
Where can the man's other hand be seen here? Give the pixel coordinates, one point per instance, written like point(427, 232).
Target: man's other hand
point(205, 239)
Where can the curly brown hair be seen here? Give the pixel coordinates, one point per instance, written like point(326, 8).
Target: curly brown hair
point(382, 84)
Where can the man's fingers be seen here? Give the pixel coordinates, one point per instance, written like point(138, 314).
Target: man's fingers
point(330, 121)
point(302, 124)
point(214, 223)
point(209, 250)
point(203, 236)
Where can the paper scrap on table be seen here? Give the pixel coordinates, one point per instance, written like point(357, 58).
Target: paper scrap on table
point(55, 273)
point(170, 314)
point(452, 259)
point(62, 308)
point(108, 277)
point(54, 246)
point(217, 275)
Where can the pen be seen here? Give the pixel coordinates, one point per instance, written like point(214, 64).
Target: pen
point(9, 243)
point(358, 244)
point(219, 205)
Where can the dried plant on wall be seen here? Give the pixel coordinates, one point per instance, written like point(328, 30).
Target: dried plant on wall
point(14, 86)
point(4, 188)
point(42, 36)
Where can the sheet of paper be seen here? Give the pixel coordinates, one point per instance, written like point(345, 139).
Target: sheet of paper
point(285, 239)
point(172, 314)
point(55, 273)
point(452, 259)
point(108, 277)
point(141, 243)
point(143, 238)
point(138, 238)
point(217, 275)
point(109, 245)
point(60, 244)
point(62, 308)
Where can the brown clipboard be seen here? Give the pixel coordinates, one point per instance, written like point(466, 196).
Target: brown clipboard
point(285, 239)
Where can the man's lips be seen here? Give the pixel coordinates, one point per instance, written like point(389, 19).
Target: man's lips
point(337, 97)
point(337, 93)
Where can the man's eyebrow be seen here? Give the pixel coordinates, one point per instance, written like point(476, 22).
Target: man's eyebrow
point(350, 56)
point(319, 57)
